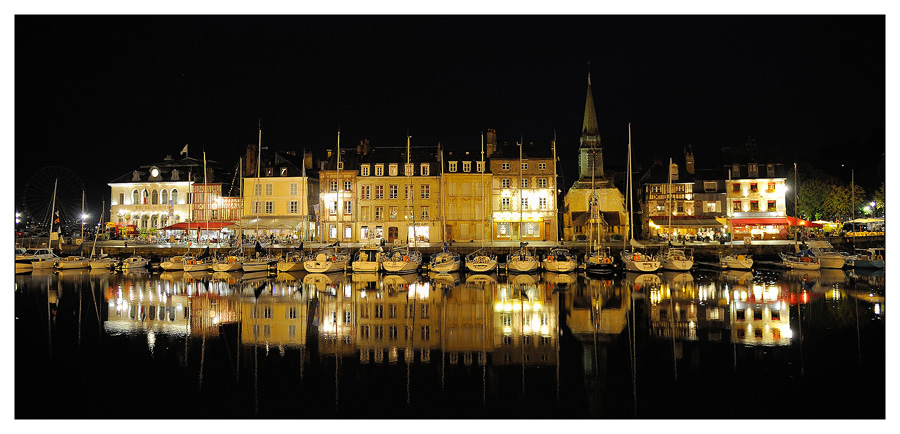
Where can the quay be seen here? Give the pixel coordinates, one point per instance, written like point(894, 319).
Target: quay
point(703, 251)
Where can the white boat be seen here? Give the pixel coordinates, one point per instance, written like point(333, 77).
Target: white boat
point(804, 260)
point(134, 262)
point(635, 260)
point(401, 260)
point(292, 261)
point(828, 256)
point(601, 261)
point(328, 260)
point(200, 263)
point(174, 263)
point(258, 263)
point(480, 261)
point(522, 260)
point(677, 259)
point(72, 263)
point(23, 264)
point(735, 261)
point(368, 259)
point(560, 260)
point(40, 258)
point(227, 263)
point(444, 261)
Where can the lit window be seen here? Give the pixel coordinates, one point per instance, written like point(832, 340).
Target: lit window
point(424, 213)
point(333, 186)
point(392, 189)
point(268, 207)
point(467, 166)
point(505, 166)
point(379, 170)
point(480, 166)
point(504, 183)
point(543, 203)
point(451, 166)
point(542, 166)
point(524, 182)
point(424, 192)
point(348, 207)
point(379, 192)
point(504, 204)
point(364, 170)
point(392, 170)
point(424, 168)
point(293, 206)
point(542, 182)
point(348, 186)
point(366, 192)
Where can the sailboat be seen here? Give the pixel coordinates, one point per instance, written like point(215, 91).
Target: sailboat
point(75, 261)
point(675, 258)
point(634, 260)
point(327, 260)
point(801, 259)
point(731, 260)
point(368, 259)
point(480, 261)
point(399, 259)
point(560, 259)
point(234, 260)
point(262, 260)
point(599, 259)
point(290, 261)
point(445, 261)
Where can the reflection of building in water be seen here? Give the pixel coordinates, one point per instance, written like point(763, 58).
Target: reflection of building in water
point(599, 308)
point(525, 325)
point(336, 311)
point(760, 314)
point(277, 317)
point(400, 314)
point(467, 327)
point(140, 304)
point(674, 307)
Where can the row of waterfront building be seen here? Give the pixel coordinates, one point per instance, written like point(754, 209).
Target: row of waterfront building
point(501, 192)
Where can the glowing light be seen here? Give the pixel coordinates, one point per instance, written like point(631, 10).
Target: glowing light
point(877, 308)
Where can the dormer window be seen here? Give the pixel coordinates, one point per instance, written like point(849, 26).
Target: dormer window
point(542, 166)
point(736, 170)
point(154, 172)
point(364, 170)
point(752, 168)
point(481, 167)
point(174, 174)
point(284, 171)
point(136, 176)
point(467, 166)
point(451, 166)
point(269, 171)
point(340, 165)
point(409, 169)
point(770, 170)
point(393, 170)
point(505, 166)
point(379, 170)
point(424, 169)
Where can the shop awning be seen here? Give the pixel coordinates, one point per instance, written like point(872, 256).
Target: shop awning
point(761, 221)
point(690, 222)
point(249, 224)
point(183, 226)
point(801, 222)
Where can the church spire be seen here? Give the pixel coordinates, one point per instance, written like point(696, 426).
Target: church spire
point(590, 132)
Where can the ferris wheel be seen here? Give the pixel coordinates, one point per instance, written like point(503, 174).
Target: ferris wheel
point(39, 199)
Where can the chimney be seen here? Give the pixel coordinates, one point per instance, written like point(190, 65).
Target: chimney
point(363, 148)
point(491, 142)
point(689, 162)
point(250, 162)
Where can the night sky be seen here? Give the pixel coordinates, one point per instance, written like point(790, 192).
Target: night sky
point(102, 95)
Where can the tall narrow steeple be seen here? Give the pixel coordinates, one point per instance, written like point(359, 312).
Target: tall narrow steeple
point(590, 132)
point(590, 158)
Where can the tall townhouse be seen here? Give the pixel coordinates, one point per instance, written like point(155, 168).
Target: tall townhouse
point(399, 195)
point(337, 214)
point(755, 196)
point(159, 199)
point(523, 192)
point(466, 187)
point(279, 202)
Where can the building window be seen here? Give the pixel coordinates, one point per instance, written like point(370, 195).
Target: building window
point(771, 206)
point(736, 206)
point(144, 196)
point(424, 192)
point(332, 208)
point(392, 170)
point(771, 188)
point(293, 189)
point(524, 203)
point(735, 187)
point(424, 169)
point(340, 165)
point(770, 170)
point(736, 170)
point(292, 331)
point(524, 166)
point(392, 191)
point(364, 170)
point(503, 229)
point(379, 212)
point(267, 312)
point(542, 166)
point(451, 166)
point(292, 207)
point(293, 312)
point(333, 186)
point(392, 333)
point(504, 183)
point(751, 168)
point(424, 213)
point(379, 192)
point(504, 204)
point(348, 186)
point(379, 170)
point(426, 333)
point(364, 211)
point(268, 207)
point(257, 189)
point(408, 169)
point(332, 231)
point(379, 311)
point(348, 231)
point(524, 182)
point(467, 166)
point(505, 166)
point(348, 207)
point(542, 182)
point(154, 198)
point(481, 167)
point(392, 213)
point(268, 189)
point(710, 207)
point(709, 186)
point(542, 203)
point(655, 189)
point(392, 310)
point(754, 188)
point(531, 229)
point(366, 192)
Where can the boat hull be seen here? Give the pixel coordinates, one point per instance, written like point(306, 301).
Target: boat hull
point(829, 261)
point(324, 266)
point(224, 267)
point(523, 266)
point(285, 267)
point(43, 264)
point(73, 264)
point(252, 266)
point(445, 267)
point(365, 266)
point(559, 266)
point(677, 264)
point(22, 267)
point(482, 264)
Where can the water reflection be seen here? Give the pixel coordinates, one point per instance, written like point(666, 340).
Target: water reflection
point(512, 327)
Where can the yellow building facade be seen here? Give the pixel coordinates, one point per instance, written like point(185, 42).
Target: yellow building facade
point(523, 198)
point(467, 194)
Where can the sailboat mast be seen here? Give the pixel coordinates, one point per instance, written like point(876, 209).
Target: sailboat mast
point(258, 186)
point(206, 198)
point(521, 225)
point(630, 191)
point(82, 216)
point(97, 232)
point(412, 208)
point(443, 219)
point(591, 202)
point(52, 215)
point(483, 218)
point(669, 194)
point(556, 217)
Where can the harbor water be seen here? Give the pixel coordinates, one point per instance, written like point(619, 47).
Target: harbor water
point(705, 344)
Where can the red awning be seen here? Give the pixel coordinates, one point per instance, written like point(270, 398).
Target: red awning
point(801, 222)
point(213, 226)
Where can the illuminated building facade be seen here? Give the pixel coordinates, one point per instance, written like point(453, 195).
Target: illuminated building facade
point(593, 208)
point(337, 199)
point(466, 187)
point(399, 202)
point(523, 192)
point(755, 201)
point(280, 201)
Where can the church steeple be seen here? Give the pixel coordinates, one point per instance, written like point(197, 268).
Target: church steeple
point(590, 132)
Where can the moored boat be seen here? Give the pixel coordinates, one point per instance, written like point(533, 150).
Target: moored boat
point(735, 261)
point(401, 260)
point(560, 260)
point(522, 260)
point(677, 259)
point(73, 262)
point(600, 261)
point(134, 262)
point(828, 256)
point(803, 260)
point(868, 258)
point(480, 261)
point(368, 259)
point(327, 260)
point(444, 261)
point(292, 261)
point(173, 263)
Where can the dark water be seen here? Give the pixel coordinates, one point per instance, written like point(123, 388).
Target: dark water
point(768, 344)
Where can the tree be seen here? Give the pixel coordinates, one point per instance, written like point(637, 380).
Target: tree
point(878, 197)
point(812, 195)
